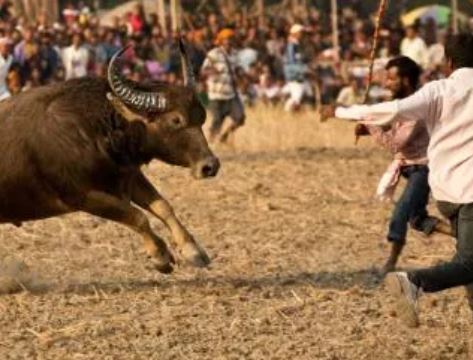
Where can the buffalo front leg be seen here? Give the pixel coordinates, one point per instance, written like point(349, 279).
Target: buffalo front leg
point(112, 208)
point(147, 197)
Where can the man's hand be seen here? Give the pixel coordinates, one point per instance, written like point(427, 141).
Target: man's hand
point(361, 130)
point(328, 111)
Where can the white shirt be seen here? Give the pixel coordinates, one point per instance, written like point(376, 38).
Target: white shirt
point(416, 50)
point(447, 107)
point(348, 96)
point(4, 68)
point(435, 55)
point(247, 57)
point(75, 61)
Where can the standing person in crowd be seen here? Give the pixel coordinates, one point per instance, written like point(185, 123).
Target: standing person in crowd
point(76, 58)
point(446, 109)
point(408, 142)
point(49, 59)
point(5, 10)
point(414, 47)
point(224, 100)
point(26, 53)
point(136, 19)
point(351, 94)
point(6, 60)
point(295, 70)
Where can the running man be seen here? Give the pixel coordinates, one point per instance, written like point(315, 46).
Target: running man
point(446, 108)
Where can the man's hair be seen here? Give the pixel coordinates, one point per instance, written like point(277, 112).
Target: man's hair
point(459, 49)
point(407, 68)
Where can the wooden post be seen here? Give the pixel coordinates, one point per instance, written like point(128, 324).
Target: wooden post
point(30, 13)
point(294, 8)
point(260, 5)
point(50, 9)
point(97, 5)
point(19, 7)
point(175, 15)
point(455, 16)
point(335, 36)
point(55, 10)
point(162, 17)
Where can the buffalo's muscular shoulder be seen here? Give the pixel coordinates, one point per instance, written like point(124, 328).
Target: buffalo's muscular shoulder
point(55, 146)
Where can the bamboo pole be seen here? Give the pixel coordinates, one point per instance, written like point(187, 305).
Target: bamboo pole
point(175, 15)
point(335, 32)
point(29, 11)
point(55, 10)
point(49, 8)
point(162, 17)
point(455, 16)
point(294, 8)
point(260, 5)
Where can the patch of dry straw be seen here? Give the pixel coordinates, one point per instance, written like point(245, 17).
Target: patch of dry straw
point(271, 128)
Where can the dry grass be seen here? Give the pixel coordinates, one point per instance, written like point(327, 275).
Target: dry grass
point(16, 276)
point(272, 129)
point(295, 238)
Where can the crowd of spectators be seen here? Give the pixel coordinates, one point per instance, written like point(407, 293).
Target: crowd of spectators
point(78, 45)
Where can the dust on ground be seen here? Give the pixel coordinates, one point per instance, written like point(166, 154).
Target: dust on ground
point(295, 238)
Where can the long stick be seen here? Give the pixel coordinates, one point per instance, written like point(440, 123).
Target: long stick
point(382, 9)
point(379, 19)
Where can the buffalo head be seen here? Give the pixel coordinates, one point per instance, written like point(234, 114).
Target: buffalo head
point(172, 115)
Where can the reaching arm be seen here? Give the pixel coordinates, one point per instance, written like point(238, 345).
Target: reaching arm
point(418, 106)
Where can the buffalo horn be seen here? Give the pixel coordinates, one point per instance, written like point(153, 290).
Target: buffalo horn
point(126, 90)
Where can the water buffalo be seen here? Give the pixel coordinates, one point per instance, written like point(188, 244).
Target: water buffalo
point(79, 146)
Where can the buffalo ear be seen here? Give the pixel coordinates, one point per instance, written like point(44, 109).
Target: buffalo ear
point(124, 110)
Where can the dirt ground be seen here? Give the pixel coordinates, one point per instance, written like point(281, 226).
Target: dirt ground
point(296, 239)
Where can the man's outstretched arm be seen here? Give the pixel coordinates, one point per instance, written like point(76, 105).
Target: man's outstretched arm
point(419, 106)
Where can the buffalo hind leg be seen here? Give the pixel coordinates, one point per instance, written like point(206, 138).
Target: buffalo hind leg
point(111, 208)
point(147, 197)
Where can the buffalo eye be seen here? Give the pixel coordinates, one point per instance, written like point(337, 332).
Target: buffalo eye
point(178, 122)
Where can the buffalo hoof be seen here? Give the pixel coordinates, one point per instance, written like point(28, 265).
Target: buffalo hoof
point(164, 266)
point(195, 255)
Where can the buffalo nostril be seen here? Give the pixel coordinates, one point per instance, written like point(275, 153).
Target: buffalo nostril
point(209, 167)
point(208, 170)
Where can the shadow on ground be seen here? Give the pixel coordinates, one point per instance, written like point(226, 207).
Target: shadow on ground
point(367, 279)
